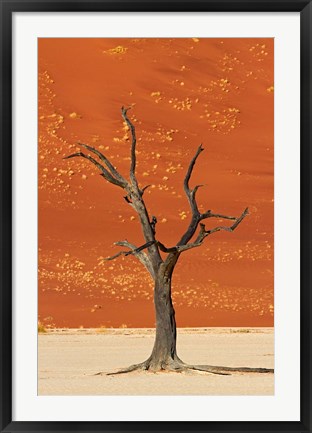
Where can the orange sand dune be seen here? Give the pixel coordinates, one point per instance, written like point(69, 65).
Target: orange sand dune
point(184, 92)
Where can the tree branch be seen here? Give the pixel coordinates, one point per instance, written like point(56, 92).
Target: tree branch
point(232, 227)
point(191, 193)
point(133, 146)
point(191, 196)
point(135, 196)
point(164, 249)
point(209, 214)
point(105, 173)
point(196, 215)
point(137, 252)
point(203, 233)
point(144, 188)
point(133, 250)
point(106, 161)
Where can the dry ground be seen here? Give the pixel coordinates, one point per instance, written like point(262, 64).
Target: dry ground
point(69, 358)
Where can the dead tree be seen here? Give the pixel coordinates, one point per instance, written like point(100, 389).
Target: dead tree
point(164, 354)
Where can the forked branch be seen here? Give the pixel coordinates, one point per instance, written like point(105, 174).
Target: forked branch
point(232, 227)
point(197, 216)
point(105, 173)
point(110, 173)
point(203, 233)
point(106, 161)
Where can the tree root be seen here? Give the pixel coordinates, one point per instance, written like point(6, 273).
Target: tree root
point(228, 370)
point(136, 367)
point(180, 367)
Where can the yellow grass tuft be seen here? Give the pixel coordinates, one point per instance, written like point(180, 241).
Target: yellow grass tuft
point(41, 328)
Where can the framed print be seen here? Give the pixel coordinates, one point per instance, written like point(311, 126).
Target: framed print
point(155, 216)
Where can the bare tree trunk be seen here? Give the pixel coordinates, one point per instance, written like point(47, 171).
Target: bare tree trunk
point(164, 353)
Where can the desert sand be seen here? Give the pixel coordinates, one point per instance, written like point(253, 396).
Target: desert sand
point(70, 358)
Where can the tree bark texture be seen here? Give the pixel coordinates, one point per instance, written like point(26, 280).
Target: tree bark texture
point(164, 351)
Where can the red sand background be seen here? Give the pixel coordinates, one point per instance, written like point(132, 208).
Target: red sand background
point(184, 92)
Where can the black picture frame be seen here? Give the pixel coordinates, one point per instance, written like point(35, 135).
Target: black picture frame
point(8, 7)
